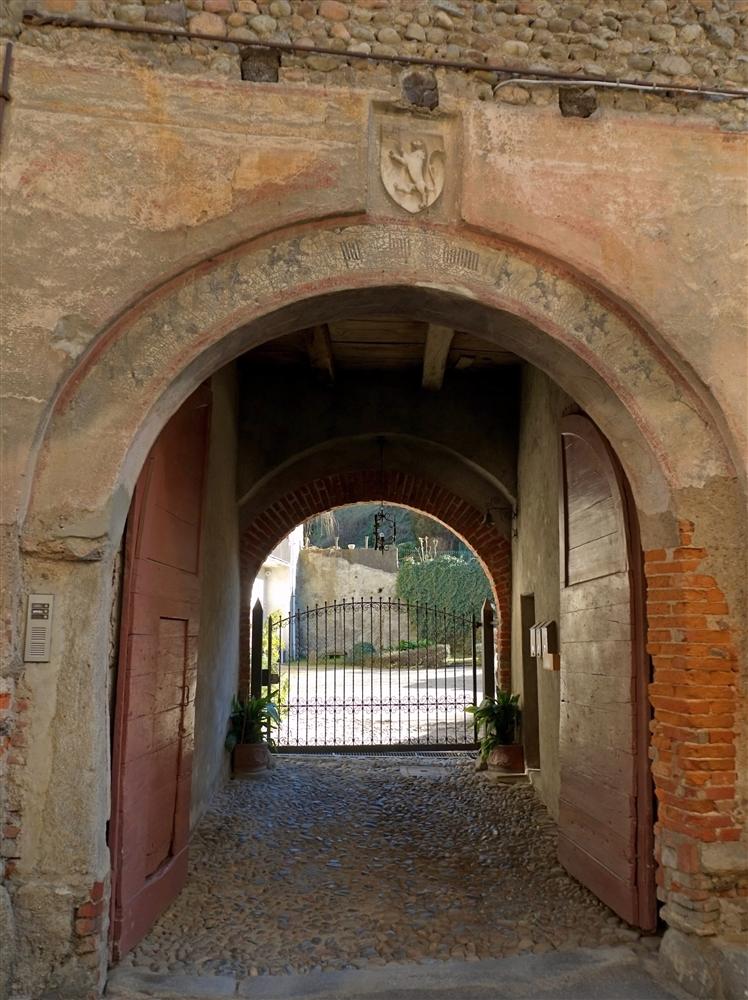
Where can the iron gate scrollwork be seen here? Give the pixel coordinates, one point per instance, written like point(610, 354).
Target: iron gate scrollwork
point(372, 674)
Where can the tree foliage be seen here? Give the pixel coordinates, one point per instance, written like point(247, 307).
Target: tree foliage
point(352, 525)
point(456, 583)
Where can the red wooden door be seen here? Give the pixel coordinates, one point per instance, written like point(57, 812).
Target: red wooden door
point(606, 802)
point(154, 708)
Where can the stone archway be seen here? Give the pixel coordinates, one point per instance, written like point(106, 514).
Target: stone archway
point(147, 362)
point(487, 541)
point(108, 413)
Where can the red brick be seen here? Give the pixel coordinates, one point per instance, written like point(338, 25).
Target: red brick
point(728, 834)
point(655, 555)
point(688, 857)
point(676, 566)
point(708, 750)
point(685, 531)
point(715, 792)
point(87, 925)
point(722, 736)
point(97, 892)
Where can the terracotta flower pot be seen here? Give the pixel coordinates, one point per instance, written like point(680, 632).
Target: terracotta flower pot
point(251, 757)
point(509, 758)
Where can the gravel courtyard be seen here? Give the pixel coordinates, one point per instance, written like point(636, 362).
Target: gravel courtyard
point(333, 863)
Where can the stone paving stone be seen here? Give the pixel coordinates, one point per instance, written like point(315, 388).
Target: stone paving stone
point(134, 982)
point(325, 864)
point(583, 974)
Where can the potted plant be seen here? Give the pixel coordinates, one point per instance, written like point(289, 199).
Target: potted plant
point(249, 737)
point(498, 728)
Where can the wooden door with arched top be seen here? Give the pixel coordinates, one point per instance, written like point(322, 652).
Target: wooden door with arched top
point(606, 800)
point(156, 677)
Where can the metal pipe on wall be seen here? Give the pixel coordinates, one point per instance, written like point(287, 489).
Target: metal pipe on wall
point(548, 76)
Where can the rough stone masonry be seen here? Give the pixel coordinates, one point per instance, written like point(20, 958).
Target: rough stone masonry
point(663, 41)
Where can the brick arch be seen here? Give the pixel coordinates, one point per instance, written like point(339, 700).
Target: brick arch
point(492, 548)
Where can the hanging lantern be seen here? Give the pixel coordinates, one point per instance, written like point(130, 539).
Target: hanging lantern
point(385, 529)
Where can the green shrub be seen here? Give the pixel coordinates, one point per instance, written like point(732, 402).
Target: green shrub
point(449, 582)
point(410, 644)
point(278, 645)
point(361, 650)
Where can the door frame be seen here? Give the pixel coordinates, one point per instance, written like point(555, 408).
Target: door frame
point(530, 705)
point(581, 426)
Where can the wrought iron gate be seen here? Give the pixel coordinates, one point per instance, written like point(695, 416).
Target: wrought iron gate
point(368, 674)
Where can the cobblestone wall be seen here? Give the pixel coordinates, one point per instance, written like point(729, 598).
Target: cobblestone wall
point(686, 42)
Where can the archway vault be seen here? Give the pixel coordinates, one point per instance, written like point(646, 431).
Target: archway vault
point(399, 453)
point(489, 541)
point(147, 362)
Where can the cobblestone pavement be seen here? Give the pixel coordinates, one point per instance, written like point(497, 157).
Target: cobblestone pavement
point(339, 863)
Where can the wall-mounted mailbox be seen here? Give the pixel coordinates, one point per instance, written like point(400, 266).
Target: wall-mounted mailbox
point(549, 637)
point(38, 628)
point(544, 644)
point(533, 640)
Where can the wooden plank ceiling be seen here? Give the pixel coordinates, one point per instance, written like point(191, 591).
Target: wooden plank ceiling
point(381, 342)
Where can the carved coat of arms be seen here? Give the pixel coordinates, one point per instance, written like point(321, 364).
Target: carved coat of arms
point(412, 167)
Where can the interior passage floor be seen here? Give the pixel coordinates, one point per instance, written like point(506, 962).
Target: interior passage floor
point(342, 863)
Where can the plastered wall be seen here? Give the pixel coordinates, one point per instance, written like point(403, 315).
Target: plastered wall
point(334, 574)
point(536, 552)
point(218, 651)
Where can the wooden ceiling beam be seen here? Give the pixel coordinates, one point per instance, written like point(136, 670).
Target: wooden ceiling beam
point(319, 349)
point(435, 353)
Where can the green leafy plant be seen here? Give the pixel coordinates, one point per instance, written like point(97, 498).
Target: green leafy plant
point(410, 644)
point(252, 719)
point(283, 694)
point(498, 721)
point(276, 617)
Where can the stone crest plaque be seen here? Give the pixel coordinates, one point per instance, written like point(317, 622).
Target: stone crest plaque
point(412, 165)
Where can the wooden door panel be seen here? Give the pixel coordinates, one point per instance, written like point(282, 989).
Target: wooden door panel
point(172, 542)
point(592, 522)
point(600, 655)
point(588, 597)
point(604, 883)
point(606, 727)
point(611, 623)
point(617, 855)
point(595, 544)
point(614, 806)
point(615, 768)
point(592, 560)
point(154, 717)
point(604, 790)
point(588, 687)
